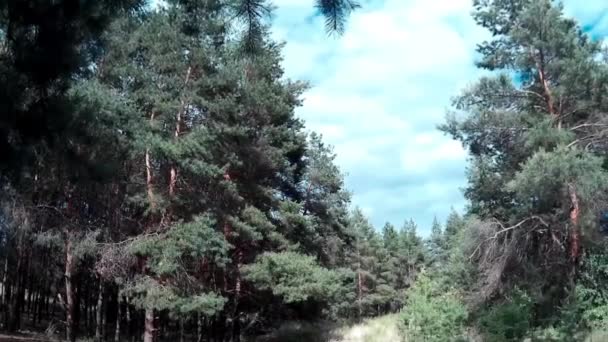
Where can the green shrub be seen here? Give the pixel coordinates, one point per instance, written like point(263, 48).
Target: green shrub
point(432, 314)
point(509, 321)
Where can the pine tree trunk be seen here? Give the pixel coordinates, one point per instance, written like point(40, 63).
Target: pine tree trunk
point(199, 327)
point(69, 291)
point(236, 326)
point(149, 175)
point(118, 314)
point(87, 309)
point(34, 304)
point(575, 238)
point(104, 317)
point(178, 125)
point(359, 294)
point(149, 328)
point(547, 94)
point(181, 329)
point(128, 317)
point(15, 302)
point(98, 315)
point(77, 286)
point(8, 298)
point(4, 278)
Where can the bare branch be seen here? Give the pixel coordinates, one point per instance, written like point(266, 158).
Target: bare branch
point(507, 229)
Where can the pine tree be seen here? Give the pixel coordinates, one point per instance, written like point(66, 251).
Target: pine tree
point(363, 261)
point(436, 243)
point(45, 46)
point(388, 288)
point(453, 226)
point(411, 253)
point(534, 144)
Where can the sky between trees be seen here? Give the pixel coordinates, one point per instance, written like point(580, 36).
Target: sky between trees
point(378, 96)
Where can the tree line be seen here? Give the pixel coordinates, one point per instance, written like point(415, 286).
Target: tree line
point(157, 185)
point(530, 262)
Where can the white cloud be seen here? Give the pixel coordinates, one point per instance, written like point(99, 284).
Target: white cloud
point(427, 151)
point(380, 90)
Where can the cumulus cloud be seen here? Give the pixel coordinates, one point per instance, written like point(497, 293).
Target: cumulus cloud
point(378, 93)
point(380, 90)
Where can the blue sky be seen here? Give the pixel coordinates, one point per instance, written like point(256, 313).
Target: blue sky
point(379, 91)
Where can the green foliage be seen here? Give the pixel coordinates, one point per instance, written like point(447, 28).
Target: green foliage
point(169, 253)
point(149, 293)
point(431, 313)
point(458, 271)
point(509, 320)
point(292, 276)
point(436, 244)
point(531, 131)
point(544, 178)
point(171, 163)
point(590, 298)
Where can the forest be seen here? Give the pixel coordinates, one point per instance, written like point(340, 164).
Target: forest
point(157, 185)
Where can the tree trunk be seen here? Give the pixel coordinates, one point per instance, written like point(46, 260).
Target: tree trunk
point(4, 280)
point(547, 94)
point(178, 125)
point(104, 317)
point(15, 302)
point(236, 326)
point(181, 329)
point(359, 294)
point(575, 234)
point(77, 286)
point(118, 314)
point(128, 317)
point(149, 175)
point(98, 315)
point(199, 327)
point(149, 329)
point(69, 291)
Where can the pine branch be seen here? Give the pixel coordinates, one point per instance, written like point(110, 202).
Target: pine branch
point(252, 13)
point(336, 13)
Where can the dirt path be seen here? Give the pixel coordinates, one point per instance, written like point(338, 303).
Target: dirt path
point(382, 329)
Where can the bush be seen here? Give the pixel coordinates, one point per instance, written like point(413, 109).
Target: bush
point(432, 314)
point(509, 321)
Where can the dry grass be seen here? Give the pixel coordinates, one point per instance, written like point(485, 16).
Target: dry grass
point(382, 329)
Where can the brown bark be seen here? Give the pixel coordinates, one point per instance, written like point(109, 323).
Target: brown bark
point(236, 327)
point(547, 93)
point(69, 290)
point(149, 328)
point(575, 235)
point(149, 174)
point(178, 126)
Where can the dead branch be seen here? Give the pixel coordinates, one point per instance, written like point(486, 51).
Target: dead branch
point(507, 229)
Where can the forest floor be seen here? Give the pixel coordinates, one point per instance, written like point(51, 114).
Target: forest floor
point(381, 329)
point(23, 338)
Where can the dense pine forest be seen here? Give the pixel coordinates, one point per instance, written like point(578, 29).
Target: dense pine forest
point(157, 185)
